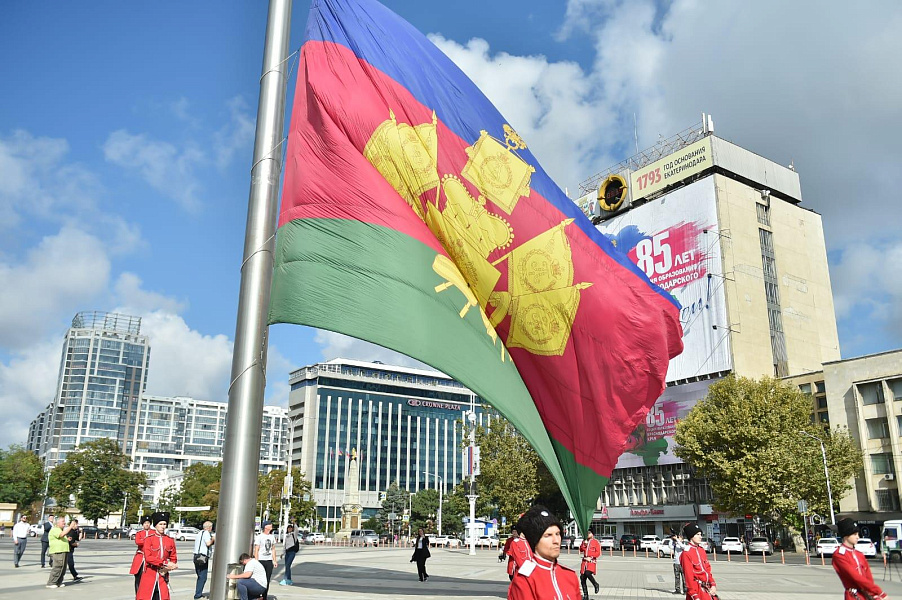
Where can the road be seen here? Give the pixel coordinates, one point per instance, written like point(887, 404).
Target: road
point(386, 573)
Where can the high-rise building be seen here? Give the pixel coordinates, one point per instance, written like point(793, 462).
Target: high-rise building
point(103, 373)
point(173, 433)
point(723, 230)
point(405, 424)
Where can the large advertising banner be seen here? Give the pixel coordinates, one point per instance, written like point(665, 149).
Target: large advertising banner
point(652, 443)
point(675, 241)
point(654, 177)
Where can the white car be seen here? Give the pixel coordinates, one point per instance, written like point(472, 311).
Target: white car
point(576, 541)
point(731, 545)
point(315, 538)
point(649, 542)
point(487, 541)
point(826, 546)
point(183, 533)
point(453, 542)
point(866, 547)
point(36, 530)
point(439, 540)
point(665, 548)
point(607, 542)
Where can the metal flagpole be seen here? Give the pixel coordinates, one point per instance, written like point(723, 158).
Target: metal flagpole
point(241, 451)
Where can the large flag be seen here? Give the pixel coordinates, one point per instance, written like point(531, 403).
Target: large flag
point(414, 216)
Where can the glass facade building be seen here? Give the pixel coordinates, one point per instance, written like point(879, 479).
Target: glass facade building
point(103, 373)
point(405, 424)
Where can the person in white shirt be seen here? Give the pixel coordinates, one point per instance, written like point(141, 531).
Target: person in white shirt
point(203, 550)
point(252, 582)
point(265, 551)
point(20, 538)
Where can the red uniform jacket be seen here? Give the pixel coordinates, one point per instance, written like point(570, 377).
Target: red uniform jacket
point(855, 574)
point(696, 573)
point(546, 581)
point(138, 560)
point(518, 553)
point(591, 550)
point(158, 550)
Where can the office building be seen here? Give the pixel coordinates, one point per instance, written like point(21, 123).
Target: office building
point(723, 230)
point(405, 424)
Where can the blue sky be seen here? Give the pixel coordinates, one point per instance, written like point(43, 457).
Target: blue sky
point(126, 131)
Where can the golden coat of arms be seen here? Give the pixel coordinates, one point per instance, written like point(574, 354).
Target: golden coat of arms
point(541, 297)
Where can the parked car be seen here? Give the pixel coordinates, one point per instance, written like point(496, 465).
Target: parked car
point(732, 545)
point(607, 542)
point(575, 541)
point(649, 542)
point(315, 538)
point(665, 548)
point(629, 541)
point(453, 542)
point(760, 545)
point(36, 529)
point(93, 533)
point(183, 533)
point(706, 544)
point(866, 546)
point(438, 540)
point(487, 541)
point(366, 537)
point(826, 546)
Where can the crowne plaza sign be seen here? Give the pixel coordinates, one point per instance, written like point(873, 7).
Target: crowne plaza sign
point(433, 404)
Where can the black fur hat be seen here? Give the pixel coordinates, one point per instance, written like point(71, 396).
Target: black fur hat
point(535, 522)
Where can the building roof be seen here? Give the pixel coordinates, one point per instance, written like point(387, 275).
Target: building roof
point(378, 365)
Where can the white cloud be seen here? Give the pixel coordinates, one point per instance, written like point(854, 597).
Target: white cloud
point(56, 277)
point(130, 293)
point(164, 167)
point(27, 386)
point(868, 279)
point(35, 180)
point(237, 135)
point(337, 345)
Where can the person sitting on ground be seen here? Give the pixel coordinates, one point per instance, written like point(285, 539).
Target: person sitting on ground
point(252, 582)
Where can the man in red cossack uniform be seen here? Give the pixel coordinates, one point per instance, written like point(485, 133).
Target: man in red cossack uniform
point(159, 560)
point(591, 551)
point(696, 569)
point(138, 561)
point(517, 550)
point(852, 566)
point(543, 577)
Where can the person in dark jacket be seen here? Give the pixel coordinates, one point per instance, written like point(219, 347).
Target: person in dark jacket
point(45, 540)
point(74, 536)
point(421, 553)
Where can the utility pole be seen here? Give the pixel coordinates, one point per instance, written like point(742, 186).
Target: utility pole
point(471, 526)
point(826, 474)
point(441, 486)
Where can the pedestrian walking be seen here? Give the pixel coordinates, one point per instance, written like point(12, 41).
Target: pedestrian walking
point(59, 548)
point(591, 551)
point(46, 526)
point(291, 544)
point(252, 582)
point(137, 568)
point(73, 536)
point(543, 577)
point(203, 551)
point(679, 582)
point(159, 560)
point(265, 552)
point(697, 574)
point(20, 539)
point(421, 553)
point(852, 566)
point(518, 553)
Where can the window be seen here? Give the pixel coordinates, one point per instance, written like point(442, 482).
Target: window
point(877, 428)
point(820, 387)
point(883, 463)
point(763, 214)
point(871, 393)
point(805, 388)
point(887, 500)
point(822, 403)
point(895, 386)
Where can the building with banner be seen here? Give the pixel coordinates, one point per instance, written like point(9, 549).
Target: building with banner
point(724, 231)
point(405, 425)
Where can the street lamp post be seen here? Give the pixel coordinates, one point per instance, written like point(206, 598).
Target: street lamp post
point(471, 419)
point(47, 488)
point(826, 473)
point(441, 486)
point(288, 485)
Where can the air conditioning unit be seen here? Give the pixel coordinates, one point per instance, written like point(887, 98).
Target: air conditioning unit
point(889, 476)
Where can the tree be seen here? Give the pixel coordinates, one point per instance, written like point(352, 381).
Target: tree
point(396, 500)
point(170, 497)
point(744, 437)
point(424, 509)
point(508, 479)
point(21, 477)
point(200, 487)
point(303, 503)
point(97, 477)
